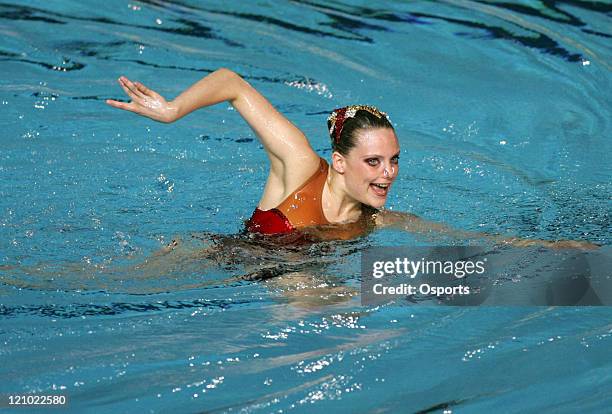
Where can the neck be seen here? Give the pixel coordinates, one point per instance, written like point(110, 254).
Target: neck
point(338, 206)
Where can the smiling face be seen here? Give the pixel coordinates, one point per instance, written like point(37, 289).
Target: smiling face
point(371, 166)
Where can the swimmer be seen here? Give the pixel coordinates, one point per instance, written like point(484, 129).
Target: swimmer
point(303, 193)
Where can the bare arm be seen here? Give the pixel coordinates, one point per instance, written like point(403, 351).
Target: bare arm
point(283, 141)
point(415, 224)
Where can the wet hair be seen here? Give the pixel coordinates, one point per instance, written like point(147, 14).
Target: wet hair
point(345, 123)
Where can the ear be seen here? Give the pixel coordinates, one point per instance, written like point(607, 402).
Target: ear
point(338, 162)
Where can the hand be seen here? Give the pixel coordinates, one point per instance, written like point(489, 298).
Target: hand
point(572, 244)
point(145, 102)
point(556, 244)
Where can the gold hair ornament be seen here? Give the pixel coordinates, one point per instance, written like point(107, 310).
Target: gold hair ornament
point(339, 116)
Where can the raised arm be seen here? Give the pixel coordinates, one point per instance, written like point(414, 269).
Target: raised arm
point(415, 224)
point(283, 141)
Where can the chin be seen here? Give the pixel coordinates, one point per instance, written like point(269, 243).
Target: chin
point(376, 203)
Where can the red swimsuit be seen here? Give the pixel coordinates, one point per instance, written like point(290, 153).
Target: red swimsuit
point(303, 208)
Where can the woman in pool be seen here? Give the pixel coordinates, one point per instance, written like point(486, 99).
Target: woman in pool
point(302, 191)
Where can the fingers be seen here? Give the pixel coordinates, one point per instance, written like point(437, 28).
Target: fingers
point(130, 89)
point(572, 244)
point(575, 244)
point(134, 107)
point(122, 105)
point(144, 101)
point(143, 89)
point(149, 92)
point(127, 90)
point(116, 104)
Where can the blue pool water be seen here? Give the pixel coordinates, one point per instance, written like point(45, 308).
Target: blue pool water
point(503, 116)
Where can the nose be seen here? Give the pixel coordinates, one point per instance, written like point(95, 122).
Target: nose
point(389, 171)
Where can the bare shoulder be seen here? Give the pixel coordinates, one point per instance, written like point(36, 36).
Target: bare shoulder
point(286, 177)
point(298, 170)
point(386, 218)
point(301, 166)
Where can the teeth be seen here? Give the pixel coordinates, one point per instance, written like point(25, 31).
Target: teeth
point(381, 185)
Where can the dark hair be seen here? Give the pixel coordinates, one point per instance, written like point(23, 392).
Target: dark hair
point(367, 118)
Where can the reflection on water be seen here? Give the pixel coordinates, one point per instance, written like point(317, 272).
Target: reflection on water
point(292, 267)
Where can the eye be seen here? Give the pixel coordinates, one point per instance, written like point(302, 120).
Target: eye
point(395, 160)
point(373, 162)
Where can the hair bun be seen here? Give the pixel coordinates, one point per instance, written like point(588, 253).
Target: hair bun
point(340, 115)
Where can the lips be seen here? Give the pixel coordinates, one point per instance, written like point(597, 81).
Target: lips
point(380, 189)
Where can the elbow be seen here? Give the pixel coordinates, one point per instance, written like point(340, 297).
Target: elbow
point(227, 73)
point(224, 71)
point(233, 82)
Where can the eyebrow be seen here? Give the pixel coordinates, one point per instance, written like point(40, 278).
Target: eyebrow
point(397, 154)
